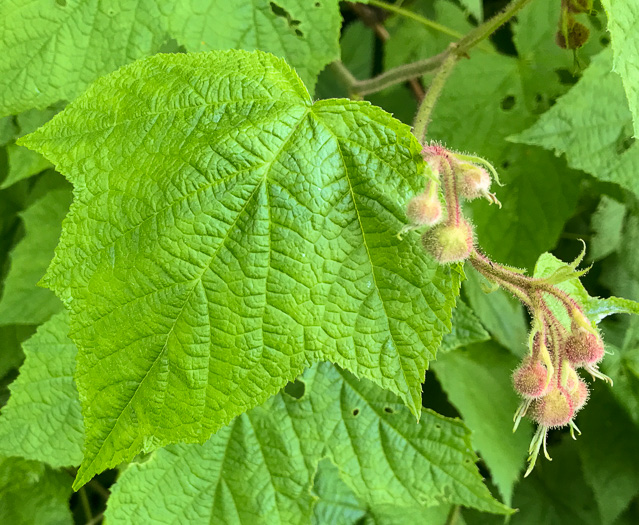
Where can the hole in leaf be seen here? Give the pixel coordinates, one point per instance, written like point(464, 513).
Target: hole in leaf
point(292, 22)
point(624, 141)
point(295, 389)
point(388, 410)
point(356, 411)
point(604, 40)
point(505, 164)
point(61, 3)
point(317, 4)
point(438, 426)
point(508, 103)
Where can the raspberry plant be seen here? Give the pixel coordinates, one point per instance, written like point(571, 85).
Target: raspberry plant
point(257, 271)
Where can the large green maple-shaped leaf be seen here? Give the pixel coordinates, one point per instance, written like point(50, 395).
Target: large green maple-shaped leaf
point(52, 50)
point(383, 456)
point(23, 302)
point(592, 125)
point(226, 233)
point(623, 24)
point(33, 493)
point(42, 419)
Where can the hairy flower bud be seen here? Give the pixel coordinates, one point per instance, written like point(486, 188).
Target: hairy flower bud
point(555, 409)
point(531, 379)
point(424, 209)
point(473, 181)
point(449, 243)
point(583, 347)
point(577, 390)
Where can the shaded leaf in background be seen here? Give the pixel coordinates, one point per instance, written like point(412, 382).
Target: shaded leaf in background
point(42, 420)
point(23, 301)
point(467, 329)
point(304, 32)
point(609, 453)
point(622, 365)
point(592, 126)
point(477, 380)
point(33, 493)
point(199, 211)
point(23, 162)
point(556, 492)
point(607, 223)
point(623, 20)
point(387, 460)
point(53, 50)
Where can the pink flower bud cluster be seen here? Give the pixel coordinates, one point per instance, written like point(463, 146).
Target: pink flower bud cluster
point(450, 237)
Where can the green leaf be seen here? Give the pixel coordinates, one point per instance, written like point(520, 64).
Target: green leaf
point(609, 454)
point(304, 32)
point(501, 314)
point(7, 130)
point(623, 19)
point(477, 381)
point(607, 225)
point(595, 308)
point(383, 456)
point(11, 338)
point(467, 329)
point(23, 302)
point(592, 125)
point(24, 163)
point(556, 494)
point(204, 201)
point(475, 8)
point(33, 493)
point(42, 420)
point(622, 366)
point(336, 503)
point(52, 50)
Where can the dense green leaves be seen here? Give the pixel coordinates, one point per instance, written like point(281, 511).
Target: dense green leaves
point(205, 200)
point(385, 458)
point(42, 419)
point(53, 49)
point(592, 125)
point(477, 381)
point(623, 19)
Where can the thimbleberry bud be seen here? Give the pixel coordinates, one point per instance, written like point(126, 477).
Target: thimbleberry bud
point(577, 390)
point(531, 379)
point(424, 209)
point(449, 243)
point(473, 181)
point(555, 409)
point(583, 347)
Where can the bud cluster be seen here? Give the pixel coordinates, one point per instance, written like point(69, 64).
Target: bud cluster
point(450, 236)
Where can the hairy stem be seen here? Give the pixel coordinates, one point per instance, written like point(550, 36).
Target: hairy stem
point(428, 104)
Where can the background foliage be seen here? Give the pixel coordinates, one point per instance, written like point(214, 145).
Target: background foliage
point(328, 447)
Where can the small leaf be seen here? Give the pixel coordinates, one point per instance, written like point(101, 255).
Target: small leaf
point(467, 329)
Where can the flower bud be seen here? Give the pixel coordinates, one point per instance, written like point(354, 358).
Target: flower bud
point(424, 209)
point(577, 390)
point(555, 409)
point(449, 243)
point(583, 347)
point(474, 182)
point(531, 379)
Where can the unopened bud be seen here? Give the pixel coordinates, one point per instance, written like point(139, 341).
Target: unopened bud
point(554, 409)
point(449, 243)
point(531, 379)
point(577, 390)
point(473, 181)
point(583, 347)
point(424, 209)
